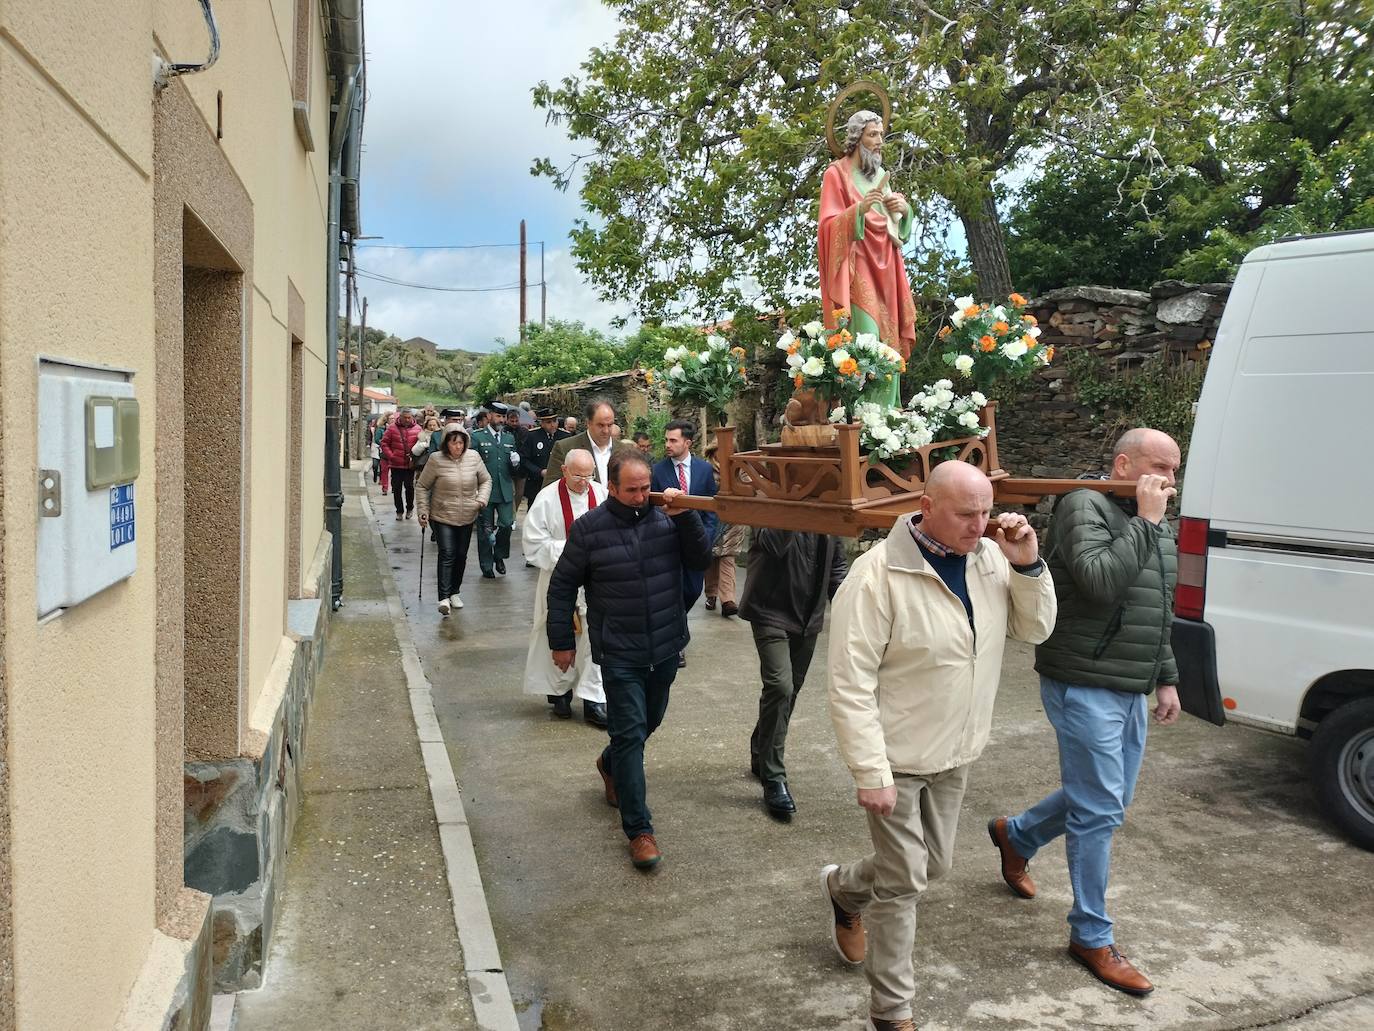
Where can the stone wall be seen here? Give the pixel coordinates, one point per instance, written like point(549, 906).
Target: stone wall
point(240, 812)
point(1046, 432)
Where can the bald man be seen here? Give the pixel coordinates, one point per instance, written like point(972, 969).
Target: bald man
point(1114, 565)
point(916, 639)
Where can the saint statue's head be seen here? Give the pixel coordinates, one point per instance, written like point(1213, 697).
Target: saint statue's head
point(864, 133)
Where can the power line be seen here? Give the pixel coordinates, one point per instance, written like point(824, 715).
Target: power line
point(441, 246)
point(392, 281)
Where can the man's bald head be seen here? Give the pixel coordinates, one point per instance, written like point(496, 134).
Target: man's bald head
point(956, 505)
point(578, 468)
point(1142, 451)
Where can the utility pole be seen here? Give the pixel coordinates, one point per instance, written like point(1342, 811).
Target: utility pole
point(522, 279)
point(362, 359)
point(348, 361)
point(543, 290)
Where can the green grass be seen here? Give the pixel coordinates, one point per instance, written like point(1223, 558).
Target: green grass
point(414, 396)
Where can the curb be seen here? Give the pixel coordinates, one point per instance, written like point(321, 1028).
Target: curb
point(487, 985)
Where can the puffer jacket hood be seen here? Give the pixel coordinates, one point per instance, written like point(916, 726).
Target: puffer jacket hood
point(1114, 576)
point(630, 561)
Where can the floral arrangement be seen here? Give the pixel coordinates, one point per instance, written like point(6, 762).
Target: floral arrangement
point(887, 432)
point(711, 377)
point(992, 342)
point(950, 416)
point(838, 365)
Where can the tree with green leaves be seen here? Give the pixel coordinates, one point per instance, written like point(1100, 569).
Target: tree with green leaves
point(705, 120)
point(458, 373)
point(560, 352)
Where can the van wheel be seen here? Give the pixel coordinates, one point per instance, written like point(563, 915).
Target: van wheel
point(1342, 761)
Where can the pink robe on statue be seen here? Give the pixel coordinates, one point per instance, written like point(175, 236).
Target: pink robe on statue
point(866, 273)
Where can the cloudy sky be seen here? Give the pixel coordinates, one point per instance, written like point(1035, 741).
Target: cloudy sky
point(449, 137)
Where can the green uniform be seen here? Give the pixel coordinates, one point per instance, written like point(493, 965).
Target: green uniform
point(495, 447)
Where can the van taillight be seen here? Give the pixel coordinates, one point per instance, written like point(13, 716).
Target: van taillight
point(1191, 591)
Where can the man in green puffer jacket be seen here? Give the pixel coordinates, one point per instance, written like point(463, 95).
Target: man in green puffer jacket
point(1114, 564)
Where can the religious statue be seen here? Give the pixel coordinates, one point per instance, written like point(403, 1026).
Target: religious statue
point(863, 225)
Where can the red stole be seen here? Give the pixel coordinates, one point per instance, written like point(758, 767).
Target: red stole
point(565, 498)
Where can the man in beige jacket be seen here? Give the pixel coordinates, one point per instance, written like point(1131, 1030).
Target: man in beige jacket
point(916, 643)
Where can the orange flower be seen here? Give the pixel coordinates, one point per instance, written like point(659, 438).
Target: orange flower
point(792, 348)
point(972, 311)
point(1049, 354)
point(986, 343)
point(1030, 320)
point(946, 331)
point(1016, 299)
point(840, 313)
point(738, 352)
point(1030, 342)
point(1000, 327)
point(797, 380)
point(848, 367)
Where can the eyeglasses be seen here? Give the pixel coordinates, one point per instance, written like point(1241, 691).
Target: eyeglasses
point(579, 476)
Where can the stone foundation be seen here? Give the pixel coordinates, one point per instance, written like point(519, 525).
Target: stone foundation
point(240, 812)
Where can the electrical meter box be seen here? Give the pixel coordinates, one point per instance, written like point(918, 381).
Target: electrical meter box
point(88, 457)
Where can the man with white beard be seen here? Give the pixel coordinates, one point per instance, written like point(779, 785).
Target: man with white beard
point(547, 523)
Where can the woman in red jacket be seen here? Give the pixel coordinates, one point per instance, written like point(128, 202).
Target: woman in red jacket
point(397, 441)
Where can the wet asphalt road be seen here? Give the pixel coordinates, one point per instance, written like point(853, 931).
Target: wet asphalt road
point(1229, 889)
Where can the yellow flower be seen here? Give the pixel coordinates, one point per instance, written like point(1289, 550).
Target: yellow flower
point(840, 313)
point(648, 375)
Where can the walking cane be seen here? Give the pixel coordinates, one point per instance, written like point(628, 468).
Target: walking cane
point(421, 595)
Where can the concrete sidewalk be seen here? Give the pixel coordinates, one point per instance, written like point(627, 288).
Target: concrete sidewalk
point(366, 935)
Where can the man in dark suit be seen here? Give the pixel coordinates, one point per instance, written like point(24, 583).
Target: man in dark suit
point(496, 446)
point(691, 475)
point(596, 438)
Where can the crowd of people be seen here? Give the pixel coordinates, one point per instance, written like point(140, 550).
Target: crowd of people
point(919, 624)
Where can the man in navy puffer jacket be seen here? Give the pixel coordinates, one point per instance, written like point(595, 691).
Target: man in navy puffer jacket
point(630, 557)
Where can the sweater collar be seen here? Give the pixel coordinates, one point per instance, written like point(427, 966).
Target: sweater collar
point(903, 553)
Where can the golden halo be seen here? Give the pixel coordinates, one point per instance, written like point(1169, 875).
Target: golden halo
point(862, 86)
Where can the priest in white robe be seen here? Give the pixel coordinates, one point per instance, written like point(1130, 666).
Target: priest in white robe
point(545, 533)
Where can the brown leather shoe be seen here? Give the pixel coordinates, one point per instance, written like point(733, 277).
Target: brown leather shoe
point(846, 929)
point(608, 784)
point(1111, 968)
point(644, 851)
point(1014, 868)
point(905, 1024)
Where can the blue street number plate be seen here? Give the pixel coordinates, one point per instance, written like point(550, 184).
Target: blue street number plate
point(121, 515)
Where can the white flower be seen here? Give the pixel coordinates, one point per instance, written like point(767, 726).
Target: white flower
point(674, 354)
point(717, 343)
point(957, 319)
point(813, 366)
point(963, 302)
point(889, 353)
point(944, 384)
point(866, 342)
point(1043, 358)
point(838, 357)
point(968, 420)
point(944, 397)
point(881, 433)
point(838, 414)
point(1014, 349)
point(794, 361)
point(927, 401)
point(676, 372)
point(705, 356)
point(1034, 331)
point(978, 399)
point(999, 314)
point(964, 363)
point(786, 341)
point(812, 329)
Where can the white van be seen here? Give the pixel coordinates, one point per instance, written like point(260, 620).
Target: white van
point(1275, 598)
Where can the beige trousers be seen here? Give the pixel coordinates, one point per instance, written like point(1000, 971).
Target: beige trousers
point(720, 578)
point(911, 848)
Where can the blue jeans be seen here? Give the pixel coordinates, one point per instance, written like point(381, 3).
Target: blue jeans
point(636, 699)
point(1101, 744)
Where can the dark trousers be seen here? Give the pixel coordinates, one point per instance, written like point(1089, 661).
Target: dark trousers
point(403, 478)
point(453, 556)
point(534, 483)
point(376, 469)
point(636, 699)
point(783, 661)
point(493, 533)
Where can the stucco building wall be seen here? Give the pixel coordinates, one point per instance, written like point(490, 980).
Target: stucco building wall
point(97, 921)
